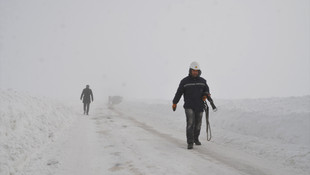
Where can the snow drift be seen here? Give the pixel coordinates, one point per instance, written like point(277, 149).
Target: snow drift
point(27, 124)
point(274, 128)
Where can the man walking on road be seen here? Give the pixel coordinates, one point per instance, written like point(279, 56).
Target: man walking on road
point(86, 94)
point(195, 91)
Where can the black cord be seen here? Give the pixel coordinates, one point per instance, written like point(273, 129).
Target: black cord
point(208, 127)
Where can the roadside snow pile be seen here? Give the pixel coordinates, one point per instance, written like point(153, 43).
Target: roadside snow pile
point(275, 129)
point(26, 124)
point(283, 119)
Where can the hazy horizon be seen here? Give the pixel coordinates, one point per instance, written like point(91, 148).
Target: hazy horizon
point(142, 49)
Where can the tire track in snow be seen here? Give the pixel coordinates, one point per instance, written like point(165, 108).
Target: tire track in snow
point(118, 166)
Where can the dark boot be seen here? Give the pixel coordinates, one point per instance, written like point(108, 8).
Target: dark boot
point(190, 146)
point(197, 142)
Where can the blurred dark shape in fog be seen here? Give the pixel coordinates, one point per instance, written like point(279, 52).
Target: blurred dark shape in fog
point(114, 100)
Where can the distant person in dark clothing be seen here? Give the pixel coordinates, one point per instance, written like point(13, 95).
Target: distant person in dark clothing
point(86, 94)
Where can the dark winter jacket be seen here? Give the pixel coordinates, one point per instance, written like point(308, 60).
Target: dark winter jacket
point(193, 90)
point(86, 94)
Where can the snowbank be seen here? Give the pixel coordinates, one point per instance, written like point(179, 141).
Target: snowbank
point(275, 128)
point(27, 124)
point(286, 120)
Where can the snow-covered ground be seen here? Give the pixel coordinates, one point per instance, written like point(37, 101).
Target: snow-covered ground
point(258, 136)
point(27, 125)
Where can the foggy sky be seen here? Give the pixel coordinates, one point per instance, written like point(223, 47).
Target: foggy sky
point(143, 48)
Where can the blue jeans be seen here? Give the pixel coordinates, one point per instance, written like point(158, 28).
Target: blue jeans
point(193, 125)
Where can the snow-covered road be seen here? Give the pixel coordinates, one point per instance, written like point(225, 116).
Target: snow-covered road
point(111, 142)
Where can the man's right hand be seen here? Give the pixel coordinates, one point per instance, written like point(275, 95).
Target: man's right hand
point(204, 98)
point(174, 107)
